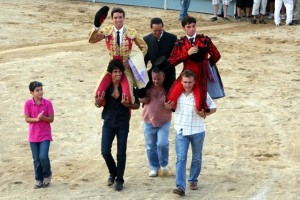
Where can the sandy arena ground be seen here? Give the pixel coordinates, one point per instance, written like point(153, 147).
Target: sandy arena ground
point(251, 149)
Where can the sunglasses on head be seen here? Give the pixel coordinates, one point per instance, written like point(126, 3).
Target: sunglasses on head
point(34, 85)
point(37, 84)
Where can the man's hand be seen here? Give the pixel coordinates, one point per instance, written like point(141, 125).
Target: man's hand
point(169, 105)
point(125, 101)
point(99, 98)
point(193, 50)
point(201, 113)
point(144, 100)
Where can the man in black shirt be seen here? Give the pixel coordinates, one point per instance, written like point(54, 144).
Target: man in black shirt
point(116, 116)
point(160, 43)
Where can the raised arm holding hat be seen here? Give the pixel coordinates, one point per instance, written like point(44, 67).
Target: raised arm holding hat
point(119, 40)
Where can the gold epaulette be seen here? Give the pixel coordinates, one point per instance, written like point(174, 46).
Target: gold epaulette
point(107, 30)
point(131, 33)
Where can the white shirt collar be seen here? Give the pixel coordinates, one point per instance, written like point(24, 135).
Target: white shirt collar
point(161, 35)
point(121, 30)
point(194, 36)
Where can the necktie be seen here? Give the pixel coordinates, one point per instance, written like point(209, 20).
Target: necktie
point(118, 38)
point(192, 40)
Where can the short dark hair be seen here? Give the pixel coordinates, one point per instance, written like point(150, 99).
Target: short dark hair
point(117, 10)
point(115, 64)
point(187, 73)
point(188, 20)
point(156, 20)
point(34, 84)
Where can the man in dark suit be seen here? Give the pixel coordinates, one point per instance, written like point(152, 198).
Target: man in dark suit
point(160, 43)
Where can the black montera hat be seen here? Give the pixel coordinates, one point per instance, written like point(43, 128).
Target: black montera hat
point(200, 55)
point(101, 16)
point(161, 64)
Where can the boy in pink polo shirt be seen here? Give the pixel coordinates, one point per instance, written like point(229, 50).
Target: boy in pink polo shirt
point(39, 114)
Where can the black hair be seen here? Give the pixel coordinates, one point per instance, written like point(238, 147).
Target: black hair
point(34, 84)
point(156, 20)
point(117, 10)
point(115, 64)
point(188, 20)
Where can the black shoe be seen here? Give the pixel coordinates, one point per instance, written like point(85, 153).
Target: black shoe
point(253, 21)
point(119, 186)
point(110, 180)
point(262, 21)
point(179, 191)
point(225, 18)
point(213, 19)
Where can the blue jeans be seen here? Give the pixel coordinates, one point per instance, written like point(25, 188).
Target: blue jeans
point(41, 161)
point(120, 130)
point(182, 146)
point(157, 144)
point(184, 9)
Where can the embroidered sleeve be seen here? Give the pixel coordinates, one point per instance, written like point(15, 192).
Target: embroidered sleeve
point(141, 44)
point(93, 36)
point(179, 52)
point(96, 35)
point(138, 40)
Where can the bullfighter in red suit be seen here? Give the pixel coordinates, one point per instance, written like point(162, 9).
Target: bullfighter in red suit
point(119, 41)
point(194, 50)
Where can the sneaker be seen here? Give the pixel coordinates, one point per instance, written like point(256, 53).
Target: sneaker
point(179, 191)
point(282, 16)
point(110, 180)
point(213, 19)
point(277, 25)
point(119, 186)
point(47, 181)
point(153, 173)
point(225, 18)
point(262, 21)
point(38, 184)
point(271, 16)
point(165, 171)
point(193, 186)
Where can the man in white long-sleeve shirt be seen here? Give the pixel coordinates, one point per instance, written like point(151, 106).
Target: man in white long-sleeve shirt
point(190, 129)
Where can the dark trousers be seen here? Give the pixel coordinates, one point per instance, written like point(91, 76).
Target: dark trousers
point(120, 130)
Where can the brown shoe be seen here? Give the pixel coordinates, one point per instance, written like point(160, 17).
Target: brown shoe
point(193, 186)
point(179, 191)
